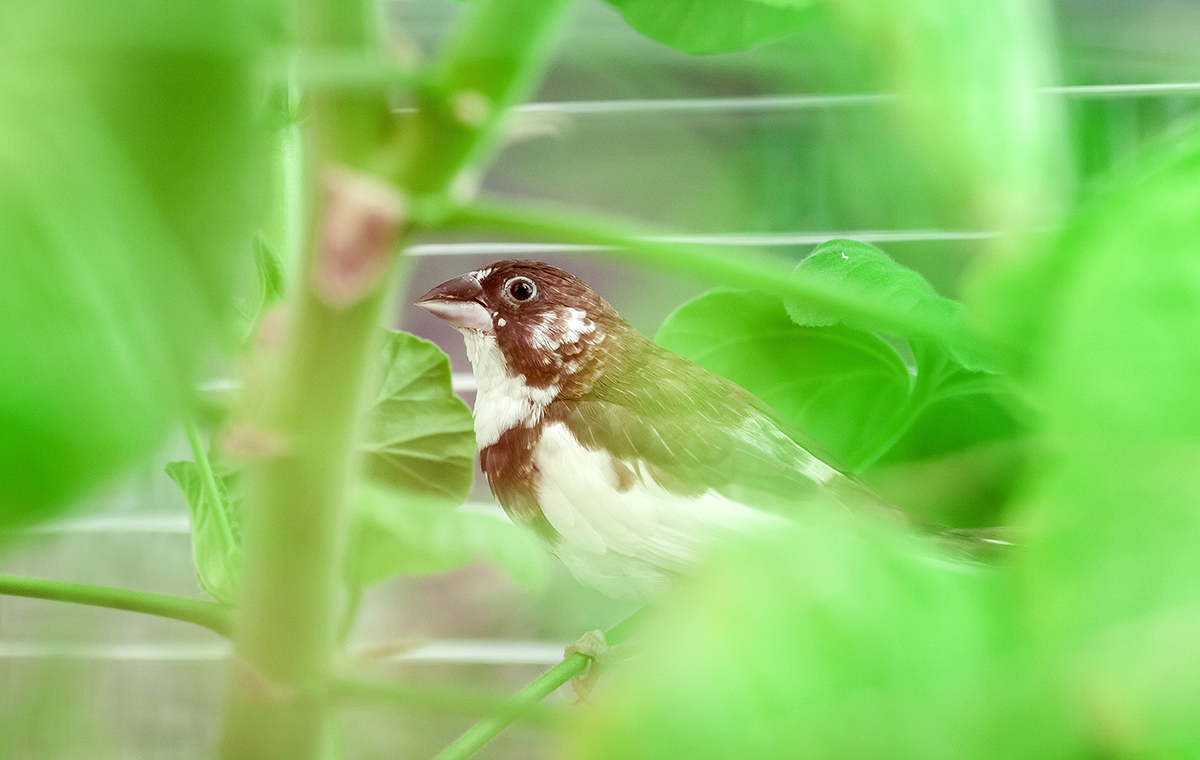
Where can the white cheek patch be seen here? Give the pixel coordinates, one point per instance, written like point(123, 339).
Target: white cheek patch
point(503, 400)
point(576, 326)
point(556, 329)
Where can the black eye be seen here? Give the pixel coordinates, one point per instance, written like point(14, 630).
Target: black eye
point(521, 288)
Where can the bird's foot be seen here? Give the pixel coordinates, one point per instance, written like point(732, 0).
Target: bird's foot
point(600, 655)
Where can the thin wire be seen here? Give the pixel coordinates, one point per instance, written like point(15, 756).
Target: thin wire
point(457, 651)
point(802, 102)
point(750, 239)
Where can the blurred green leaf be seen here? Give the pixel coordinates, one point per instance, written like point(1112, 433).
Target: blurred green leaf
point(714, 26)
point(216, 529)
point(872, 274)
point(1108, 316)
point(129, 182)
point(831, 640)
point(969, 73)
point(420, 437)
point(403, 534)
point(837, 384)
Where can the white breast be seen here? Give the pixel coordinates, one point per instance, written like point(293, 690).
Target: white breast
point(627, 544)
point(503, 400)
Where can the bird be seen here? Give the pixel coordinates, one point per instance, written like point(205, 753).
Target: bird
point(630, 461)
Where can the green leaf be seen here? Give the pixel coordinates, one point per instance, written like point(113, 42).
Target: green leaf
point(403, 534)
point(216, 529)
point(872, 274)
point(966, 409)
point(130, 176)
point(830, 640)
point(420, 456)
point(272, 279)
point(714, 26)
point(839, 385)
point(420, 437)
point(1114, 512)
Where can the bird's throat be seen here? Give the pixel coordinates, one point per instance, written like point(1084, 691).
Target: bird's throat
point(503, 399)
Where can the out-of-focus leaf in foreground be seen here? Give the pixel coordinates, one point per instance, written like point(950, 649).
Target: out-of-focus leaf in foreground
point(129, 181)
point(1109, 317)
point(216, 528)
point(829, 640)
point(714, 26)
point(420, 455)
point(969, 74)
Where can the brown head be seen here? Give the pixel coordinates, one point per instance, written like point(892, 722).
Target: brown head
point(549, 326)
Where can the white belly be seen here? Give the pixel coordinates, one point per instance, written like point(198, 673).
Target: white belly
point(627, 544)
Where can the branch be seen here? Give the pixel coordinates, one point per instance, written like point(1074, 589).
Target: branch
point(528, 698)
point(213, 616)
point(733, 267)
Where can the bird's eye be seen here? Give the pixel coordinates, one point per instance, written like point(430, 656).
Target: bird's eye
point(521, 288)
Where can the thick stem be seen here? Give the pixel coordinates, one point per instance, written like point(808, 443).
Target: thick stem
point(297, 499)
point(294, 533)
point(213, 616)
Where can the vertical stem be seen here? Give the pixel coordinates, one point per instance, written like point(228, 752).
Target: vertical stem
point(298, 495)
point(294, 535)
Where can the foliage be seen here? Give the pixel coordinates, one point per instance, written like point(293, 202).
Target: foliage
point(713, 26)
point(124, 133)
point(419, 452)
point(133, 176)
point(216, 518)
point(891, 649)
point(843, 383)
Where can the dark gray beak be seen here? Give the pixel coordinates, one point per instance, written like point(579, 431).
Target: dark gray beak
point(459, 303)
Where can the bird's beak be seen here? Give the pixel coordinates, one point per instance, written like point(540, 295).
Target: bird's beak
point(459, 303)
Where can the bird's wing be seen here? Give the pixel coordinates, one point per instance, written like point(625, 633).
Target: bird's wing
point(694, 433)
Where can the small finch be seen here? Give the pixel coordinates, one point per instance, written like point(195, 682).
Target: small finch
point(629, 460)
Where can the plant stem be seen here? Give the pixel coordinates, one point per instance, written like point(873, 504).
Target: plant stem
point(733, 267)
point(545, 685)
point(931, 370)
point(213, 616)
point(298, 498)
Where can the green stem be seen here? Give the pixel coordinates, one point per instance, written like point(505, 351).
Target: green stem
point(734, 267)
point(213, 616)
point(545, 685)
point(489, 65)
point(298, 497)
point(208, 483)
point(931, 370)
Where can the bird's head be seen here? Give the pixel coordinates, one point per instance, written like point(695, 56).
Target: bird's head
point(547, 324)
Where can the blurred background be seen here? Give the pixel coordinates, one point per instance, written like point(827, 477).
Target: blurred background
point(784, 146)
